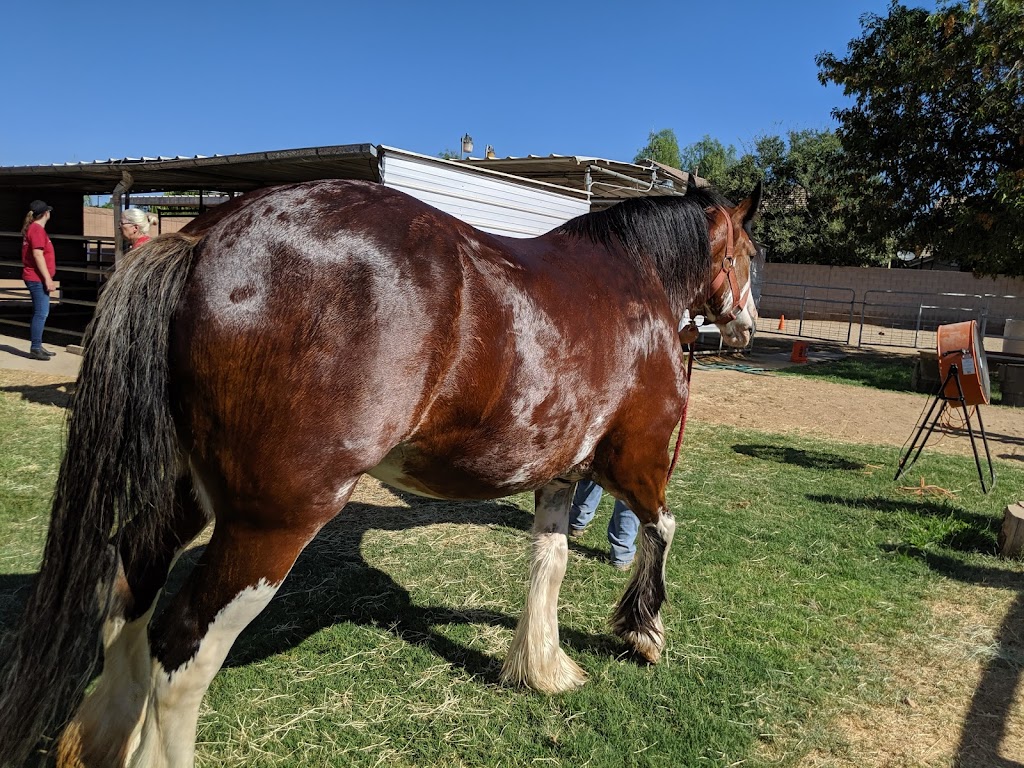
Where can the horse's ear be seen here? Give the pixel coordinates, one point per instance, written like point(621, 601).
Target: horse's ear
point(691, 182)
point(747, 210)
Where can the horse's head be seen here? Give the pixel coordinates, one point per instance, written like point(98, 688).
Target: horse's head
point(737, 260)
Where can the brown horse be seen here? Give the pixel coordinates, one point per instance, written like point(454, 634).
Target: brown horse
point(250, 370)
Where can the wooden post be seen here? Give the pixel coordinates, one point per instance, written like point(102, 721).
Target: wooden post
point(122, 188)
point(1011, 536)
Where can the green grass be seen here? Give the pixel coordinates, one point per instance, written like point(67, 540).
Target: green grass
point(890, 373)
point(384, 645)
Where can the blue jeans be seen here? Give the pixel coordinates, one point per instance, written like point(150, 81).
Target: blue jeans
point(40, 311)
point(622, 527)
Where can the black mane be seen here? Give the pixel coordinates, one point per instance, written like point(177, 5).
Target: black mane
point(669, 234)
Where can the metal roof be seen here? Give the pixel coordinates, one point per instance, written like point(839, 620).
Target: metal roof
point(179, 201)
point(608, 180)
point(224, 173)
point(604, 181)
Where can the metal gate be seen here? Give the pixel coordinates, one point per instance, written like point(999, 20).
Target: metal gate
point(911, 319)
point(82, 265)
point(808, 311)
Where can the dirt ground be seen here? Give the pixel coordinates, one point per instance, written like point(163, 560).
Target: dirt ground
point(793, 404)
point(957, 700)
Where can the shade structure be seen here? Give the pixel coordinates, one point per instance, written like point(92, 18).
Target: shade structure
point(960, 344)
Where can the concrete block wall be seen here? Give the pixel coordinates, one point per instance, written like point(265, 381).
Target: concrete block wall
point(1007, 293)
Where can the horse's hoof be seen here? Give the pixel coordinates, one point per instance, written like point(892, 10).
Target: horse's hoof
point(645, 646)
point(562, 675)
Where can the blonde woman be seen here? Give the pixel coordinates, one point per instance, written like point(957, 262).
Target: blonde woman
point(135, 225)
point(37, 270)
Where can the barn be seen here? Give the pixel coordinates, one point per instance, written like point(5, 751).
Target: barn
point(515, 197)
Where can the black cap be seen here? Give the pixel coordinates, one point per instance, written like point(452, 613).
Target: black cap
point(38, 208)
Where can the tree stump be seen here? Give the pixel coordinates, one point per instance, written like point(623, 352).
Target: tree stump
point(925, 376)
point(1011, 536)
point(1011, 383)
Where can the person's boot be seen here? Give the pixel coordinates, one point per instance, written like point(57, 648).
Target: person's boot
point(38, 354)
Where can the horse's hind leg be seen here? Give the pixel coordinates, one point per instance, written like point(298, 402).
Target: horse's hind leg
point(101, 730)
point(238, 574)
point(535, 657)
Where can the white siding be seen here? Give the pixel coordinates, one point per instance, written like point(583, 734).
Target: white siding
point(494, 202)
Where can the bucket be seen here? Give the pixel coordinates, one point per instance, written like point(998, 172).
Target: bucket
point(1013, 337)
point(799, 354)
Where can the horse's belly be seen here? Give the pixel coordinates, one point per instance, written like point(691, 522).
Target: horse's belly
point(487, 475)
point(392, 473)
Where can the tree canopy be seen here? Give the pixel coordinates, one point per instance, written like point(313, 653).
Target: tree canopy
point(662, 147)
point(810, 205)
point(936, 129)
point(708, 158)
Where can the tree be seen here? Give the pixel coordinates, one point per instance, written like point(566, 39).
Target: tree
point(662, 147)
point(709, 158)
point(936, 128)
point(810, 202)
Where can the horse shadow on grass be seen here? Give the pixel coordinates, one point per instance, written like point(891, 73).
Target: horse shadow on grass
point(13, 594)
point(331, 583)
point(986, 723)
point(972, 533)
point(988, 718)
point(45, 394)
point(797, 456)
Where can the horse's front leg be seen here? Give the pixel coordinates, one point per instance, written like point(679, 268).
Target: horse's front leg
point(535, 657)
point(637, 619)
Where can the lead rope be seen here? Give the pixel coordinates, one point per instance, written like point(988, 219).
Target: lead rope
point(682, 418)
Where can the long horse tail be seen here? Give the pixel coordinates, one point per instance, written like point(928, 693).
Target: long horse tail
point(120, 464)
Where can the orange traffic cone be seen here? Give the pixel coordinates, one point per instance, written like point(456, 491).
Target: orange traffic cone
point(782, 323)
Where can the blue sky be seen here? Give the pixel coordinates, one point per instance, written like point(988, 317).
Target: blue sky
point(90, 81)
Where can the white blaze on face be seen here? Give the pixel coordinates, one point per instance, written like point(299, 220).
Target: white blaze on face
point(737, 332)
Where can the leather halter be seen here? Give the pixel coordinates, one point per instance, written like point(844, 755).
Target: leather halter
point(728, 273)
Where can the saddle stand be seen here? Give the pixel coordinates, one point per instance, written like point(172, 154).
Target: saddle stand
point(929, 423)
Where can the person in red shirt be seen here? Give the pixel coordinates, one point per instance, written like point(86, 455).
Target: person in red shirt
point(135, 224)
point(38, 268)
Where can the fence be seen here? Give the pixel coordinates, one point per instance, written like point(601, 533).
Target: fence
point(810, 311)
point(910, 319)
point(82, 265)
point(887, 318)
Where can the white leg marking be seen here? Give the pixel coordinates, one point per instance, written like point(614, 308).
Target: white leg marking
point(105, 729)
point(169, 732)
point(201, 494)
point(535, 658)
point(666, 526)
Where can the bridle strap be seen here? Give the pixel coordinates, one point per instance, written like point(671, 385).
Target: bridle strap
point(728, 273)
